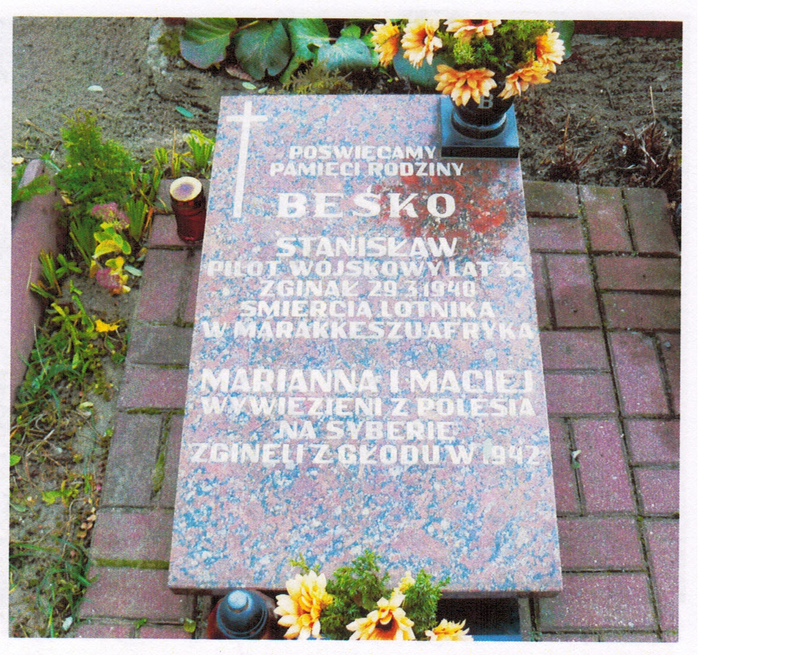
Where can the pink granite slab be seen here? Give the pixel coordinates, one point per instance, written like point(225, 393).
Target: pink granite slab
point(366, 369)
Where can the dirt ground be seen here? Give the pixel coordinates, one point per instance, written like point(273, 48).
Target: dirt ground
point(609, 86)
point(585, 126)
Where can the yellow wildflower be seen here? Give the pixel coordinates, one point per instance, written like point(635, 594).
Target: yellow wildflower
point(102, 326)
point(463, 85)
point(387, 623)
point(420, 41)
point(301, 608)
point(449, 631)
point(386, 38)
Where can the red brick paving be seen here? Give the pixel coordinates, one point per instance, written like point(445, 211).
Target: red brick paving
point(606, 265)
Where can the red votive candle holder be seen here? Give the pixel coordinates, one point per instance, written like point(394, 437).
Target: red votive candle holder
point(189, 206)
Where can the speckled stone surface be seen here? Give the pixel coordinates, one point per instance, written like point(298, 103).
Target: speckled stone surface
point(366, 369)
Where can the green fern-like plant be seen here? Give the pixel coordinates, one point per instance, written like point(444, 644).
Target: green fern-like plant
point(356, 590)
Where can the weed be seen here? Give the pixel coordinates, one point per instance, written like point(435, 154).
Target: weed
point(566, 165)
point(648, 157)
point(318, 79)
point(201, 148)
point(40, 185)
point(170, 43)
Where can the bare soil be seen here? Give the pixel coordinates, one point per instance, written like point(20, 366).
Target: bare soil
point(611, 116)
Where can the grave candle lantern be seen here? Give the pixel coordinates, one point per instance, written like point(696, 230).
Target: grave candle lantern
point(243, 614)
point(189, 206)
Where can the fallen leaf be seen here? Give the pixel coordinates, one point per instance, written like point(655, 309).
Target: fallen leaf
point(184, 112)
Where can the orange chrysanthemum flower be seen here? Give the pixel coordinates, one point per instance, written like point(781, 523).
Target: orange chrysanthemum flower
point(387, 623)
point(466, 29)
point(449, 631)
point(534, 72)
point(550, 50)
point(462, 86)
point(386, 38)
point(420, 41)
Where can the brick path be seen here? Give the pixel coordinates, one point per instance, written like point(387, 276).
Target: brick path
point(607, 268)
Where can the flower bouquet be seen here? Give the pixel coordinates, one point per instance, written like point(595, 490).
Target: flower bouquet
point(358, 604)
point(476, 58)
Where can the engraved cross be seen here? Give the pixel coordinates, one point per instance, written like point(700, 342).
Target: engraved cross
point(244, 141)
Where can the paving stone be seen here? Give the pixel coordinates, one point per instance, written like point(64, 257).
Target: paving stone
point(605, 216)
point(648, 216)
point(148, 631)
point(191, 290)
point(131, 458)
point(575, 394)
point(161, 290)
point(160, 344)
point(638, 374)
point(125, 535)
point(153, 387)
point(653, 441)
point(659, 491)
point(566, 484)
point(544, 315)
point(166, 497)
point(662, 539)
point(642, 311)
point(590, 543)
point(574, 349)
point(556, 234)
point(550, 199)
point(592, 601)
point(99, 630)
point(573, 291)
point(638, 273)
point(163, 233)
point(134, 594)
point(670, 345)
point(603, 471)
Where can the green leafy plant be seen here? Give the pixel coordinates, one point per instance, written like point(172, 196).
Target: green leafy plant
point(97, 178)
point(276, 47)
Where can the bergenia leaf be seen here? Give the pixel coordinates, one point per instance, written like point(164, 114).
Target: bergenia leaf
point(347, 53)
point(263, 48)
point(204, 40)
point(304, 32)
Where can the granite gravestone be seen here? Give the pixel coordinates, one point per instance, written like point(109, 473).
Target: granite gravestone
point(366, 370)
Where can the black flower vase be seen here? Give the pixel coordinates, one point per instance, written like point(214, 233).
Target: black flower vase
point(479, 129)
point(484, 119)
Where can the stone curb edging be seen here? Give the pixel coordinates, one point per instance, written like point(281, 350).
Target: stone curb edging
point(35, 228)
